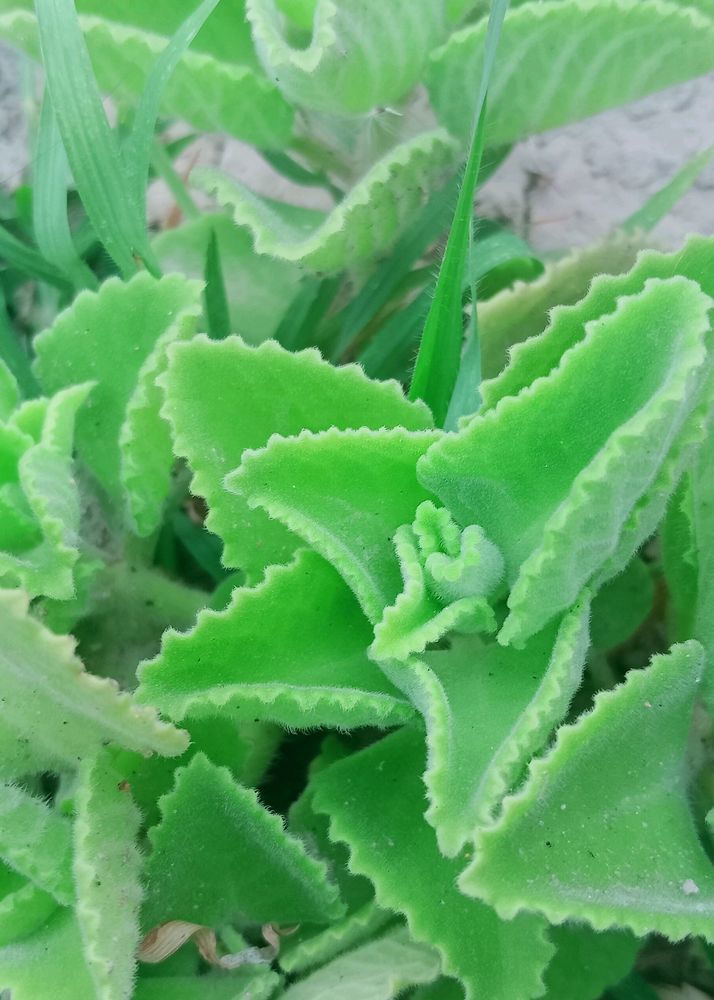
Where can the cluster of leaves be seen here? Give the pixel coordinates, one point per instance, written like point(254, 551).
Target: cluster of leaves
point(321, 654)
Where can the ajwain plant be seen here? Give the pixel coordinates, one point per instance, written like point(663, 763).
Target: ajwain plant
point(356, 564)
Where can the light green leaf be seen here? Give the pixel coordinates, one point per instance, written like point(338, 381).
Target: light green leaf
point(40, 497)
point(53, 713)
point(622, 605)
point(448, 575)
point(24, 908)
point(118, 337)
point(602, 831)
point(208, 93)
point(318, 949)
point(257, 287)
point(522, 311)
point(292, 651)
point(342, 509)
point(587, 56)
point(586, 963)
point(367, 220)
point(281, 393)
point(36, 842)
point(561, 495)
point(107, 871)
point(388, 45)
point(487, 711)
point(379, 970)
point(48, 963)
point(375, 801)
point(218, 854)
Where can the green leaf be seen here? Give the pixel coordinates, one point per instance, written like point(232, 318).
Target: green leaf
point(257, 288)
point(118, 338)
point(246, 983)
point(287, 392)
point(388, 45)
point(209, 93)
point(216, 302)
point(54, 714)
point(560, 496)
point(292, 651)
point(48, 963)
point(91, 146)
point(342, 509)
point(36, 842)
point(49, 202)
point(107, 870)
point(622, 605)
point(218, 854)
point(318, 949)
point(437, 363)
point(379, 970)
point(602, 831)
point(40, 497)
point(27, 260)
point(663, 201)
point(9, 391)
point(24, 908)
point(487, 711)
point(375, 801)
point(587, 56)
point(523, 311)
point(365, 222)
point(586, 963)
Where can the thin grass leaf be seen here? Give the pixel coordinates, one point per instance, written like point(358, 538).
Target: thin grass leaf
point(388, 353)
point(91, 146)
point(427, 227)
point(214, 295)
point(295, 172)
point(22, 257)
point(663, 201)
point(306, 312)
point(162, 166)
point(136, 152)
point(14, 355)
point(437, 363)
point(49, 202)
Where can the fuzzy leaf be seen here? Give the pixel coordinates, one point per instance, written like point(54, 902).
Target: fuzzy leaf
point(487, 711)
point(388, 45)
point(375, 801)
point(37, 842)
point(39, 498)
point(210, 94)
point(342, 508)
point(521, 312)
point(207, 380)
point(365, 222)
point(48, 963)
point(118, 337)
point(379, 970)
point(53, 713)
point(257, 287)
point(218, 854)
point(603, 831)
point(587, 56)
point(107, 871)
point(586, 963)
point(246, 983)
point(447, 575)
point(320, 948)
point(24, 908)
point(292, 651)
point(557, 493)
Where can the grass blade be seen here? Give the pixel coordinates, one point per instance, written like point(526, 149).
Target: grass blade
point(137, 149)
point(437, 363)
point(215, 300)
point(27, 260)
point(49, 204)
point(663, 201)
point(91, 146)
point(14, 355)
point(306, 312)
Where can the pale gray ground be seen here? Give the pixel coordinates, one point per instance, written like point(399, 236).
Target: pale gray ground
point(565, 188)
